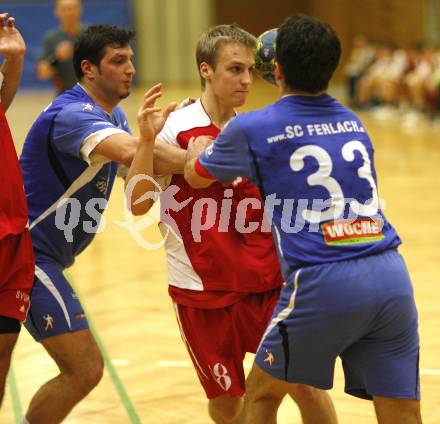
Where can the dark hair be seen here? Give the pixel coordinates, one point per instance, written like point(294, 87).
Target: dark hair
point(91, 43)
point(212, 40)
point(308, 51)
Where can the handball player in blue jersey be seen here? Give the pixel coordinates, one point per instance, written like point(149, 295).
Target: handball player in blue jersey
point(348, 291)
point(69, 164)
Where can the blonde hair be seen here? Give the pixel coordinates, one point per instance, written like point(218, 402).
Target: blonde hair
point(211, 41)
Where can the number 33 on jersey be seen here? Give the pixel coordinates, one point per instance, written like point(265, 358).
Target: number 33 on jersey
point(316, 173)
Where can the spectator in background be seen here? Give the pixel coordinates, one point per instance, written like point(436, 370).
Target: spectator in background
point(366, 88)
point(381, 83)
point(433, 88)
point(55, 61)
point(418, 84)
point(389, 84)
point(361, 56)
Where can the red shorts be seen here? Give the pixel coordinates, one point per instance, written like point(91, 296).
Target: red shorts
point(218, 339)
point(17, 268)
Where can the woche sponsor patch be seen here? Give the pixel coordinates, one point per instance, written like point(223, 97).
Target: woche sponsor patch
point(353, 231)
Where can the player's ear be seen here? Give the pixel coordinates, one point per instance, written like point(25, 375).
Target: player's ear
point(278, 72)
point(87, 68)
point(205, 71)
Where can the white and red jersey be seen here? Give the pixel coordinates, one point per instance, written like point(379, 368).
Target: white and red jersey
point(224, 264)
point(13, 208)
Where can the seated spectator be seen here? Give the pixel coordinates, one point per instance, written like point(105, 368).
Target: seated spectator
point(361, 56)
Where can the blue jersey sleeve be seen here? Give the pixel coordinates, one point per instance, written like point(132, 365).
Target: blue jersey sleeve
point(76, 122)
point(229, 156)
point(119, 114)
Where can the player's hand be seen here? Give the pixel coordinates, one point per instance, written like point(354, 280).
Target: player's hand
point(64, 50)
point(12, 44)
point(197, 146)
point(151, 118)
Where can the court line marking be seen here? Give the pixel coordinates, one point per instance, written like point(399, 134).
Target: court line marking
point(117, 382)
point(15, 396)
point(429, 371)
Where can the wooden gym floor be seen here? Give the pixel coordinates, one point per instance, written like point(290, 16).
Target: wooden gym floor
point(148, 377)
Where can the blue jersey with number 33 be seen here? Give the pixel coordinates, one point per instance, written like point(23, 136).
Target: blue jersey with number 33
point(313, 161)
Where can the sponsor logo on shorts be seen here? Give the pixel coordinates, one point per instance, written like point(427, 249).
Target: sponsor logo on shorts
point(49, 322)
point(360, 230)
point(102, 185)
point(80, 315)
point(269, 359)
point(24, 297)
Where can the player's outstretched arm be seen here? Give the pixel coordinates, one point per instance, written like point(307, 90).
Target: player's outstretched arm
point(139, 182)
point(13, 49)
point(168, 159)
point(119, 148)
point(195, 147)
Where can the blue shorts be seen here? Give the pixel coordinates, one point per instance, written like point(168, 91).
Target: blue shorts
point(362, 310)
point(55, 308)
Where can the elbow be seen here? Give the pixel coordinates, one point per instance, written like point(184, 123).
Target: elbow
point(126, 160)
point(196, 182)
point(139, 209)
point(194, 179)
point(191, 181)
point(202, 185)
point(189, 177)
point(136, 203)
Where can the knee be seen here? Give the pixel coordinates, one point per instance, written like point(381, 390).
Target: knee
point(95, 371)
point(304, 394)
point(265, 396)
point(87, 373)
point(230, 413)
point(261, 387)
point(228, 409)
point(391, 410)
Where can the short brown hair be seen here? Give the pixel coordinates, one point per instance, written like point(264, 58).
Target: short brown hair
point(211, 41)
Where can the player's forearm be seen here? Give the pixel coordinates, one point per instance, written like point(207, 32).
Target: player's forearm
point(11, 69)
point(168, 159)
point(139, 180)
